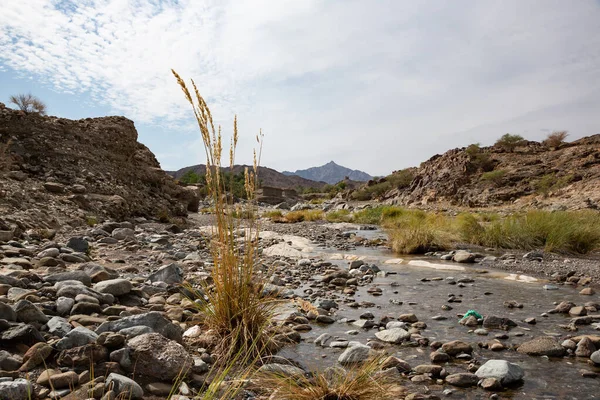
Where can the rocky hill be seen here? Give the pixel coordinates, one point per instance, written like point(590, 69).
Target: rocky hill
point(530, 175)
point(267, 176)
point(57, 171)
point(331, 173)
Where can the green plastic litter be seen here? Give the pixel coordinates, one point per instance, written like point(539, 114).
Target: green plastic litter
point(472, 313)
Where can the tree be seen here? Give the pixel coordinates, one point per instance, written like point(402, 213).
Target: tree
point(509, 142)
point(28, 103)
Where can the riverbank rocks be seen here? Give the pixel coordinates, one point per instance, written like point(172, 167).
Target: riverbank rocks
point(542, 346)
point(170, 274)
point(394, 335)
point(153, 319)
point(354, 354)
point(123, 387)
point(456, 347)
point(462, 256)
point(19, 389)
point(155, 356)
point(505, 372)
point(463, 379)
point(116, 287)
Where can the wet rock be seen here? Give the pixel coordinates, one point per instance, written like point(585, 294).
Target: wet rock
point(123, 386)
point(505, 372)
point(462, 379)
point(577, 311)
point(587, 292)
point(462, 256)
point(357, 353)
point(394, 335)
point(281, 370)
point(564, 307)
point(158, 357)
point(409, 318)
point(542, 346)
point(494, 322)
point(595, 357)
point(439, 357)
point(456, 347)
point(326, 304)
point(395, 362)
point(491, 384)
point(585, 348)
point(434, 370)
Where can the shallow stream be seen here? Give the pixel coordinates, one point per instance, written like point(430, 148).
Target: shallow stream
point(415, 285)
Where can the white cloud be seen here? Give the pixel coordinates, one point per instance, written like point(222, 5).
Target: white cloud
point(377, 86)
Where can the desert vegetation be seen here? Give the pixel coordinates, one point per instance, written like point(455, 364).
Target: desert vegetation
point(555, 138)
point(29, 103)
point(509, 142)
point(416, 231)
point(235, 310)
point(397, 180)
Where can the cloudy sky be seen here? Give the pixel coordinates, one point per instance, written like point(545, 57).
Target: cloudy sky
point(372, 85)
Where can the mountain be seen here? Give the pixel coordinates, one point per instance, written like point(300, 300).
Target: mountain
point(331, 173)
point(532, 175)
point(267, 176)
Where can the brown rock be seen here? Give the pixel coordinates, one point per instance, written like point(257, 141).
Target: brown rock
point(456, 347)
point(35, 356)
point(157, 357)
point(83, 356)
point(542, 346)
point(68, 379)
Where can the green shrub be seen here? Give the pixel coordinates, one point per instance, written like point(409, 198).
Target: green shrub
point(494, 177)
point(339, 216)
point(303, 215)
point(190, 178)
point(401, 179)
point(478, 159)
point(550, 182)
point(509, 142)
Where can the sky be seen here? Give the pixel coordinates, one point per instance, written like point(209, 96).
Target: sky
point(372, 85)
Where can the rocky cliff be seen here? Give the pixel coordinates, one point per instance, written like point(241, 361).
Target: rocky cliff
point(530, 175)
point(57, 171)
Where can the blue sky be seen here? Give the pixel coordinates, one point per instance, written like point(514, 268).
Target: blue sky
point(376, 86)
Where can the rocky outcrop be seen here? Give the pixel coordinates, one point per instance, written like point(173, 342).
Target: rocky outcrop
point(58, 171)
point(530, 175)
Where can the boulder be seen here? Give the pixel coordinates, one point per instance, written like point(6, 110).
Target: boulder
point(357, 353)
point(456, 347)
point(123, 387)
point(505, 372)
point(116, 287)
point(170, 274)
point(19, 389)
point(542, 346)
point(462, 379)
point(155, 356)
point(394, 335)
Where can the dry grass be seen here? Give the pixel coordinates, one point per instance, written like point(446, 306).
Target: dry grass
point(236, 310)
point(415, 231)
point(29, 103)
point(359, 383)
point(555, 139)
point(303, 215)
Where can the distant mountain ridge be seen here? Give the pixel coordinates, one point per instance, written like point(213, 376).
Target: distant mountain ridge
point(331, 173)
point(267, 176)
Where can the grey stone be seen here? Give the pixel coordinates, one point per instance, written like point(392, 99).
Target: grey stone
point(8, 362)
point(78, 244)
point(59, 326)
point(123, 386)
point(27, 312)
point(507, 373)
point(170, 274)
point(123, 233)
point(462, 379)
point(74, 290)
point(136, 331)
point(64, 305)
point(116, 287)
point(51, 252)
point(282, 370)
point(23, 333)
point(326, 304)
point(156, 356)
point(354, 354)
point(542, 346)
point(394, 335)
point(7, 313)
point(462, 256)
point(19, 389)
point(153, 319)
point(80, 336)
point(595, 357)
point(70, 276)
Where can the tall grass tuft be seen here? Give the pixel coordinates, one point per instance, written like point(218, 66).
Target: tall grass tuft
point(236, 310)
point(363, 382)
point(416, 231)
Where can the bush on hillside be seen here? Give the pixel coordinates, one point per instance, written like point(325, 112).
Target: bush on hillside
point(28, 103)
point(509, 142)
point(494, 177)
point(478, 159)
point(555, 138)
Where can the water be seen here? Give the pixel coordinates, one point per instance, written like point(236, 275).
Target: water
point(545, 378)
